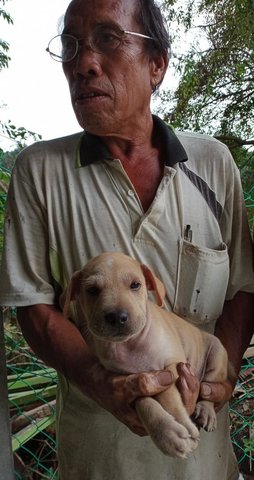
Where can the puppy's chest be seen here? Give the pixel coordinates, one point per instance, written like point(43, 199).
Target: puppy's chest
point(123, 358)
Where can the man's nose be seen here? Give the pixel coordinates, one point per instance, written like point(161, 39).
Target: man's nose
point(87, 62)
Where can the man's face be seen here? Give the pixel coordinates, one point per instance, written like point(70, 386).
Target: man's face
point(109, 92)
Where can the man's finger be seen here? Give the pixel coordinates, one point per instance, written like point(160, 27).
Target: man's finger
point(188, 386)
point(149, 384)
point(186, 373)
point(215, 391)
point(142, 384)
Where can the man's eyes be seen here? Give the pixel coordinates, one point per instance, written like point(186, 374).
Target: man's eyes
point(107, 36)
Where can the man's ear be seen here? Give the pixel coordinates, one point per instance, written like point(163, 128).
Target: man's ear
point(158, 68)
point(70, 293)
point(154, 284)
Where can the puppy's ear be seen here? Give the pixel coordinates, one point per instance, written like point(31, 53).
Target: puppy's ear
point(70, 293)
point(154, 284)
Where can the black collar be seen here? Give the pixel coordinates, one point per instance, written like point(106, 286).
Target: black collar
point(92, 148)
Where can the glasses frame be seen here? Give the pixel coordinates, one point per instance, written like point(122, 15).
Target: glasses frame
point(122, 32)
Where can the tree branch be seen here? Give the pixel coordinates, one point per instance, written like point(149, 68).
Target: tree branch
point(237, 140)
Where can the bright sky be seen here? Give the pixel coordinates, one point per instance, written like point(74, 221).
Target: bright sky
point(34, 88)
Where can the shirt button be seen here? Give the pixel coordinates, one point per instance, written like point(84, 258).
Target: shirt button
point(131, 193)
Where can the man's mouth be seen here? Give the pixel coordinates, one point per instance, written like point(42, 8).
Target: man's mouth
point(92, 94)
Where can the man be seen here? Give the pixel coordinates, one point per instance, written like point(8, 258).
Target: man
point(128, 184)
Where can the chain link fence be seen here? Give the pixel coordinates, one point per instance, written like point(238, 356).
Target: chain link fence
point(32, 391)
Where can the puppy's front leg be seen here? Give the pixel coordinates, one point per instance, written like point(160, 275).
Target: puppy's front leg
point(168, 423)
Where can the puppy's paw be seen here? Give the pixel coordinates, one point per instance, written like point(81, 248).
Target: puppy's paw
point(174, 440)
point(205, 416)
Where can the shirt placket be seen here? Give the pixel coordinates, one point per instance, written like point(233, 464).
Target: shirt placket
point(139, 219)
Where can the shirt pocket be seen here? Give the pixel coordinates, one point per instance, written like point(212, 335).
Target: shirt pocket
point(202, 281)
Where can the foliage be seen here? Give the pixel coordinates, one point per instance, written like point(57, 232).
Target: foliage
point(19, 134)
point(7, 159)
point(4, 46)
point(216, 88)
point(248, 444)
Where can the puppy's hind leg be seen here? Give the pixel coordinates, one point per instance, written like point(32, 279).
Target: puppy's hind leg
point(216, 371)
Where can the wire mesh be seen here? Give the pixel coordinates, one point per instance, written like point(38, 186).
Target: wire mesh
point(242, 415)
point(32, 391)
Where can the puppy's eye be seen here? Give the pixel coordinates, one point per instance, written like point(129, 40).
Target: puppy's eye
point(93, 290)
point(135, 285)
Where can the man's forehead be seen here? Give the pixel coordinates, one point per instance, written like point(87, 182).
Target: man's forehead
point(113, 5)
point(82, 14)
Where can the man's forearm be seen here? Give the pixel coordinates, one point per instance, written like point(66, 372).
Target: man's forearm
point(235, 327)
point(55, 340)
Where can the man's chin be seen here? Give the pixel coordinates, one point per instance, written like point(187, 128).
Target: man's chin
point(94, 125)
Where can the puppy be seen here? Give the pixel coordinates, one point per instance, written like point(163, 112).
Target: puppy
point(129, 333)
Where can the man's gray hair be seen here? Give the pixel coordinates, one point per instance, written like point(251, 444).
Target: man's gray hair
point(149, 16)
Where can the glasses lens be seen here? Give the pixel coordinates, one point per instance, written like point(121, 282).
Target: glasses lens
point(105, 39)
point(63, 48)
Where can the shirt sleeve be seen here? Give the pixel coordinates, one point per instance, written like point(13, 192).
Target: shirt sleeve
point(25, 277)
point(236, 232)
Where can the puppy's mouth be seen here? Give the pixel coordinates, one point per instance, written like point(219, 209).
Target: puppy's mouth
point(114, 333)
point(110, 335)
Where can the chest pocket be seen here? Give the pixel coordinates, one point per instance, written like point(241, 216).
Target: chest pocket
point(202, 280)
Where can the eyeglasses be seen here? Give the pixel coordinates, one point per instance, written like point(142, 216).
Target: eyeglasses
point(103, 39)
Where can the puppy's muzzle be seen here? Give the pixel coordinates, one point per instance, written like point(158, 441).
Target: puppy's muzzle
point(116, 318)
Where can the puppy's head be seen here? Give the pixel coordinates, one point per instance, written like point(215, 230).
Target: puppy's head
point(111, 294)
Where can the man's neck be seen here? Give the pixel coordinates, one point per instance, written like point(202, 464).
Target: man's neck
point(131, 147)
point(140, 157)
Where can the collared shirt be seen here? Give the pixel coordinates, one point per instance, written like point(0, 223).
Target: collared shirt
point(92, 149)
point(62, 215)
point(70, 200)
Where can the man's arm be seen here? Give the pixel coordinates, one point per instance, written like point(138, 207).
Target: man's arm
point(234, 328)
point(59, 344)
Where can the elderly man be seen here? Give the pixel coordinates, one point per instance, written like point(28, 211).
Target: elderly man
point(126, 183)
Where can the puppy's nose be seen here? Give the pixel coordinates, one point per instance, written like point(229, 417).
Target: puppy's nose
point(117, 317)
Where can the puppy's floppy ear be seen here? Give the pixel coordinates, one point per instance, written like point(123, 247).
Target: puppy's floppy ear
point(70, 293)
point(154, 284)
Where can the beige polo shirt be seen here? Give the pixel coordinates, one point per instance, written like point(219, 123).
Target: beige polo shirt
point(68, 201)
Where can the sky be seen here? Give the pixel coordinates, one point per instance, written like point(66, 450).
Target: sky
point(34, 88)
point(33, 91)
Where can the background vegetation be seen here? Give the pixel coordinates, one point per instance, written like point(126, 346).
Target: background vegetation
point(213, 58)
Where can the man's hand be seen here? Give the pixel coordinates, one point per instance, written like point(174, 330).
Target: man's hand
point(188, 386)
point(191, 389)
point(217, 392)
point(117, 393)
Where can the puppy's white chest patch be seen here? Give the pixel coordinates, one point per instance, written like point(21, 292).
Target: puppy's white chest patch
point(123, 358)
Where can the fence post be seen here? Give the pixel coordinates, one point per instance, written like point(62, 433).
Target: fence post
point(6, 456)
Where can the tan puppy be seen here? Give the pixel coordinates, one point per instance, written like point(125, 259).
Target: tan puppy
point(130, 334)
